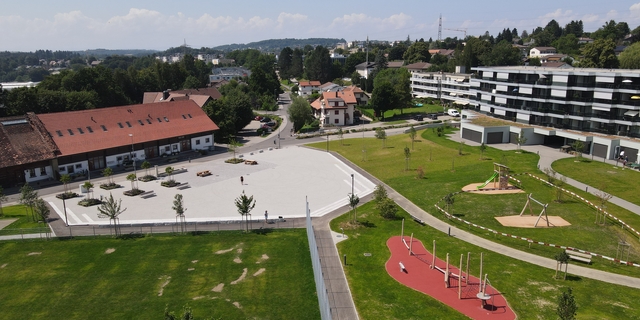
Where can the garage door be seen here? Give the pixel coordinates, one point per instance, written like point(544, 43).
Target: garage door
point(513, 137)
point(600, 150)
point(632, 154)
point(494, 137)
point(472, 135)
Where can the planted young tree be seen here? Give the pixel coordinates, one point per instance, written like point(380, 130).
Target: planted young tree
point(341, 135)
point(87, 185)
point(233, 146)
point(132, 178)
point(42, 210)
point(460, 148)
point(380, 193)
point(145, 165)
point(407, 156)
point(449, 200)
point(551, 175)
point(108, 173)
point(178, 207)
point(388, 208)
point(245, 205)
point(420, 173)
point(169, 172)
point(561, 258)
point(65, 179)
point(483, 147)
point(353, 203)
point(27, 198)
point(603, 198)
point(382, 135)
point(560, 182)
point(567, 306)
point(112, 209)
point(521, 140)
point(578, 146)
point(412, 135)
point(3, 198)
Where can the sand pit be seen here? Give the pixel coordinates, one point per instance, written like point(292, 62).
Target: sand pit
point(237, 260)
point(490, 189)
point(164, 284)
point(110, 251)
point(218, 288)
point(244, 274)
point(529, 221)
point(34, 253)
point(263, 258)
point(259, 272)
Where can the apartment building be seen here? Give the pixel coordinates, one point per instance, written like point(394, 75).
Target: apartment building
point(451, 88)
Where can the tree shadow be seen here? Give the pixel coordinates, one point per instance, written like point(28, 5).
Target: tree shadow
point(262, 231)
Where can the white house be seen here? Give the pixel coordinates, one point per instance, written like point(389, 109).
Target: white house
point(539, 52)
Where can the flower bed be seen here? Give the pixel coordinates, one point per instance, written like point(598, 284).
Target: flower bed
point(133, 192)
point(169, 183)
point(110, 186)
point(89, 202)
point(67, 195)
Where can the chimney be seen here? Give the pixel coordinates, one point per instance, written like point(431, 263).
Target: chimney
point(165, 95)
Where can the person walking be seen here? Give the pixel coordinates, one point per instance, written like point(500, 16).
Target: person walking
point(242, 180)
point(266, 217)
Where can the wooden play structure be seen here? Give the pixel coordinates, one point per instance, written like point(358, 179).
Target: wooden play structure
point(500, 177)
point(543, 212)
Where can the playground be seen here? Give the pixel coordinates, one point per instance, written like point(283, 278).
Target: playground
point(498, 183)
point(417, 268)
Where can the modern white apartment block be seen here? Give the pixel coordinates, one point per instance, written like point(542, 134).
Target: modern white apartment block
point(451, 88)
point(597, 106)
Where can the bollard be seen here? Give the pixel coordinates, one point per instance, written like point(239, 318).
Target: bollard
point(345, 259)
point(449, 232)
point(586, 189)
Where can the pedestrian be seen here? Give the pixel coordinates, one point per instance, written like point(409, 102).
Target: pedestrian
point(242, 180)
point(266, 216)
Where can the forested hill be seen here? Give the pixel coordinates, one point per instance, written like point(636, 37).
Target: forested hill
point(279, 44)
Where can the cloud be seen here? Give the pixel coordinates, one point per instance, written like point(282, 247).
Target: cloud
point(292, 19)
point(634, 11)
point(590, 18)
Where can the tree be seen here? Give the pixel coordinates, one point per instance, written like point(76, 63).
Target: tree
point(630, 57)
point(3, 198)
point(353, 203)
point(42, 210)
point(132, 178)
point(483, 147)
point(561, 258)
point(401, 87)
point(107, 173)
point(65, 179)
point(317, 65)
point(559, 183)
point(340, 135)
point(112, 209)
point(178, 207)
point(169, 172)
point(245, 205)
point(407, 156)
point(300, 113)
point(382, 98)
point(535, 62)
point(503, 54)
point(87, 185)
point(412, 135)
point(449, 200)
point(578, 146)
point(521, 139)
point(285, 59)
point(567, 306)
point(417, 52)
point(28, 197)
point(380, 193)
point(145, 165)
point(567, 44)
point(233, 146)
point(388, 208)
point(600, 54)
point(382, 135)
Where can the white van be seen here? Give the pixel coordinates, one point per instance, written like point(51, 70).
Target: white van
point(453, 112)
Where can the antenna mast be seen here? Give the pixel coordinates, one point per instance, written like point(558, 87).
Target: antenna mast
point(440, 28)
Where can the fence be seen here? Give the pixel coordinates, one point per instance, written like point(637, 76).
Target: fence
point(323, 298)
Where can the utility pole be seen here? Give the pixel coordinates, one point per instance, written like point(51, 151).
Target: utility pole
point(440, 28)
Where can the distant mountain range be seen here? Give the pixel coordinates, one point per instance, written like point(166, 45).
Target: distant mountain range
point(279, 44)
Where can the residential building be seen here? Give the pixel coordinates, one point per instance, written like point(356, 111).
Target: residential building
point(306, 88)
point(228, 73)
point(418, 67)
point(45, 146)
point(597, 106)
point(395, 64)
point(336, 108)
point(444, 52)
point(364, 69)
point(200, 96)
point(584, 40)
point(451, 88)
point(539, 52)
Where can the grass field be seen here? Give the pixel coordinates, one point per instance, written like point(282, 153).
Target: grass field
point(614, 180)
point(390, 115)
point(449, 166)
point(24, 222)
point(108, 278)
point(530, 290)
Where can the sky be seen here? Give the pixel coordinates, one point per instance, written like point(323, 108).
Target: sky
point(30, 25)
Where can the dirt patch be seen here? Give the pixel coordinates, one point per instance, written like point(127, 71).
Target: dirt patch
point(237, 304)
point(164, 284)
point(621, 305)
point(110, 251)
point(259, 272)
point(544, 287)
point(244, 274)
point(530, 221)
point(194, 261)
point(218, 288)
point(34, 253)
point(198, 297)
point(541, 303)
point(491, 189)
point(191, 269)
point(224, 251)
point(3, 266)
point(237, 260)
point(239, 251)
point(263, 258)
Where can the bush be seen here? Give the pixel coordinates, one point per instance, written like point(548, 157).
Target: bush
point(67, 195)
point(169, 183)
point(133, 192)
point(110, 186)
point(147, 178)
point(388, 208)
point(234, 160)
point(89, 202)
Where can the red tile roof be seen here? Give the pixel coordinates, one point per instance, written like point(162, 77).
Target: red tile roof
point(24, 140)
point(59, 124)
point(200, 96)
point(312, 83)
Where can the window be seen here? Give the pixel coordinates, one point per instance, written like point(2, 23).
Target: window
point(148, 121)
point(78, 166)
point(159, 120)
point(59, 133)
point(207, 140)
point(167, 148)
point(140, 122)
point(63, 169)
point(70, 132)
point(43, 171)
point(197, 141)
point(189, 114)
point(90, 129)
point(336, 112)
point(119, 158)
point(120, 125)
point(103, 128)
point(166, 119)
point(184, 117)
point(336, 121)
point(128, 124)
point(32, 173)
point(80, 130)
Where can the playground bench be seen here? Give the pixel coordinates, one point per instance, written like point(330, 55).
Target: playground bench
point(250, 162)
point(203, 173)
point(575, 255)
point(147, 194)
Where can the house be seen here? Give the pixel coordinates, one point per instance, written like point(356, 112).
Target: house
point(329, 86)
point(395, 64)
point(44, 146)
point(418, 67)
point(228, 73)
point(584, 40)
point(556, 64)
point(444, 52)
point(539, 52)
point(306, 88)
point(201, 96)
point(335, 108)
point(364, 69)
point(524, 50)
point(361, 97)
point(553, 58)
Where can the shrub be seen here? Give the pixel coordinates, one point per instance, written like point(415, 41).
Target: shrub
point(110, 186)
point(67, 195)
point(89, 202)
point(147, 178)
point(133, 192)
point(169, 183)
point(420, 173)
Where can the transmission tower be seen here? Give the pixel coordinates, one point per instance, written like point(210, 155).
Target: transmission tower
point(440, 28)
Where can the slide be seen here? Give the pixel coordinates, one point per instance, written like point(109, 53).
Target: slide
point(495, 174)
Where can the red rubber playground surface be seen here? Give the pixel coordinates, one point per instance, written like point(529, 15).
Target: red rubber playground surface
point(419, 276)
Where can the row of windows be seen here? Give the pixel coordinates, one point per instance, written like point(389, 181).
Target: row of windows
point(104, 128)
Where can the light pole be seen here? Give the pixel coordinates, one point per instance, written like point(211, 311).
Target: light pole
point(352, 177)
point(134, 161)
point(64, 207)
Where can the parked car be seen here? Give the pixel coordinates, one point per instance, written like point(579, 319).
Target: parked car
point(432, 116)
point(271, 123)
point(265, 119)
point(258, 118)
point(453, 112)
point(418, 117)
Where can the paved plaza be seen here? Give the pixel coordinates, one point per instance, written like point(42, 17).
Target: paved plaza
point(279, 183)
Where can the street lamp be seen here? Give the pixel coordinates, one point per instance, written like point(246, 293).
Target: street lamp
point(131, 156)
point(64, 206)
point(352, 177)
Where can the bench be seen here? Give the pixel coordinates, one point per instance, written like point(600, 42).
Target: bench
point(147, 194)
point(250, 162)
point(579, 256)
point(402, 268)
point(203, 173)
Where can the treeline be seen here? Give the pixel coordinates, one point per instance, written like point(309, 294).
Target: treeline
point(26, 66)
point(274, 45)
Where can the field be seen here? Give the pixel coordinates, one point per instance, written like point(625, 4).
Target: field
point(530, 290)
point(137, 278)
point(23, 224)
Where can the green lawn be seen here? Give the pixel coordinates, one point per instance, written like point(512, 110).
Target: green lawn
point(530, 290)
point(614, 180)
point(389, 115)
point(79, 279)
point(447, 171)
point(24, 224)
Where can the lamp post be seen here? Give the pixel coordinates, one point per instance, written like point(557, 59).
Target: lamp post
point(131, 156)
point(352, 177)
point(64, 207)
